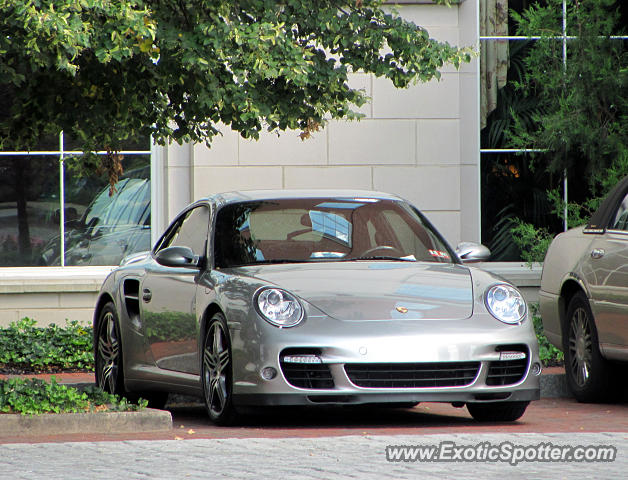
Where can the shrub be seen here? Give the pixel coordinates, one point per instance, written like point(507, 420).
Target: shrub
point(26, 347)
point(34, 397)
point(548, 353)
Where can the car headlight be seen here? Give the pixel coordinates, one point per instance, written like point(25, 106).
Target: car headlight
point(279, 307)
point(506, 303)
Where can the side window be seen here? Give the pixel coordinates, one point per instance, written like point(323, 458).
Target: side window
point(189, 231)
point(621, 217)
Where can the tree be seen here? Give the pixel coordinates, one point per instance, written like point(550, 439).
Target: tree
point(582, 105)
point(104, 70)
point(576, 112)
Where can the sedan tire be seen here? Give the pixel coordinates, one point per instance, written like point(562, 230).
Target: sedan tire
point(217, 372)
point(588, 373)
point(497, 412)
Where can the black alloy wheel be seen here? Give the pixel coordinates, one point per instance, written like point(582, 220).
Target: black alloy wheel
point(217, 373)
point(109, 374)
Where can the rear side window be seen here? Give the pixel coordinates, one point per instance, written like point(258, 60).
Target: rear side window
point(621, 217)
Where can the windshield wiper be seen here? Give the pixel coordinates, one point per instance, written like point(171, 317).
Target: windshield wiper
point(381, 257)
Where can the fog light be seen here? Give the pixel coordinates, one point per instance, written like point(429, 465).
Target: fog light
point(536, 369)
point(268, 373)
point(308, 359)
point(505, 356)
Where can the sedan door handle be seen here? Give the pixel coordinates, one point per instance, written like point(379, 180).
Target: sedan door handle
point(147, 295)
point(597, 253)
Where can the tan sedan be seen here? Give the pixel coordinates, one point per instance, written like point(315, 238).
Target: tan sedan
point(584, 299)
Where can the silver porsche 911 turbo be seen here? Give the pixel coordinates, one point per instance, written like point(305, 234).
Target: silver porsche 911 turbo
point(314, 298)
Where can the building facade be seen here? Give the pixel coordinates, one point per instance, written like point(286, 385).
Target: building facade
point(421, 143)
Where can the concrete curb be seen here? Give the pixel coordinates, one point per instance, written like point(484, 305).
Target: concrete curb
point(553, 385)
point(148, 420)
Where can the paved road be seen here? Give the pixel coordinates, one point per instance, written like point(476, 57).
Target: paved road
point(549, 415)
point(359, 457)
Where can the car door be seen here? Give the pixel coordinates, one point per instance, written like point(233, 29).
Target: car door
point(607, 276)
point(169, 296)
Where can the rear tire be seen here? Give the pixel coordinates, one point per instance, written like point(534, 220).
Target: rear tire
point(497, 412)
point(588, 374)
point(109, 361)
point(108, 352)
point(217, 372)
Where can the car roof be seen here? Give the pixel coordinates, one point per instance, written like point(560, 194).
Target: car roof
point(256, 195)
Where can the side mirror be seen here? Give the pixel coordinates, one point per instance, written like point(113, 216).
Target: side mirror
point(471, 252)
point(178, 257)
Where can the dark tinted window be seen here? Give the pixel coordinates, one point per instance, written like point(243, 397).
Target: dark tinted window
point(621, 217)
point(324, 229)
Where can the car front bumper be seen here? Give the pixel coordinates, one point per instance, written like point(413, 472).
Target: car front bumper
point(454, 361)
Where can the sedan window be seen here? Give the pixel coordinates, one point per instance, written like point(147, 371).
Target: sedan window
point(621, 217)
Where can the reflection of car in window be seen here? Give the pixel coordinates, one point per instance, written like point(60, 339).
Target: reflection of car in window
point(112, 227)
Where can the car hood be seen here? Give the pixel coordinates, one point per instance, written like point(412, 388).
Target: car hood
point(369, 291)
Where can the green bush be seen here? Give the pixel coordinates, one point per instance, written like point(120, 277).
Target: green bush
point(34, 397)
point(548, 353)
point(26, 347)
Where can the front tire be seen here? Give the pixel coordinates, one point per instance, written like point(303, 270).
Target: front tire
point(497, 412)
point(217, 372)
point(588, 373)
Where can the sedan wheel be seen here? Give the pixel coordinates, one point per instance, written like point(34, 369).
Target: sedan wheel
point(217, 372)
point(588, 373)
point(109, 352)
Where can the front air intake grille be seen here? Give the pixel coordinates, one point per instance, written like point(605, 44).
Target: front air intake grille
point(506, 372)
point(509, 370)
point(304, 369)
point(131, 288)
point(412, 375)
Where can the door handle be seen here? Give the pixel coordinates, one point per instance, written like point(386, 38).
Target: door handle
point(147, 295)
point(597, 253)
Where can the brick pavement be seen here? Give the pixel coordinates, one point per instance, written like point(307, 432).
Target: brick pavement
point(359, 457)
point(325, 445)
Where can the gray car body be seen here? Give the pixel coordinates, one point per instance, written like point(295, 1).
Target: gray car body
point(351, 316)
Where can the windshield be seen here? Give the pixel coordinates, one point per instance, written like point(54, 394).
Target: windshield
point(311, 230)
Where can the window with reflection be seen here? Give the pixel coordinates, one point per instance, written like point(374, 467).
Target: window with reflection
point(52, 215)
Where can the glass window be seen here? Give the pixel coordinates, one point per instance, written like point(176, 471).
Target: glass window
point(192, 232)
point(621, 217)
point(512, 188)
point(29, 208)
point(50, 215)
point(332, 226)
point(309, 230)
